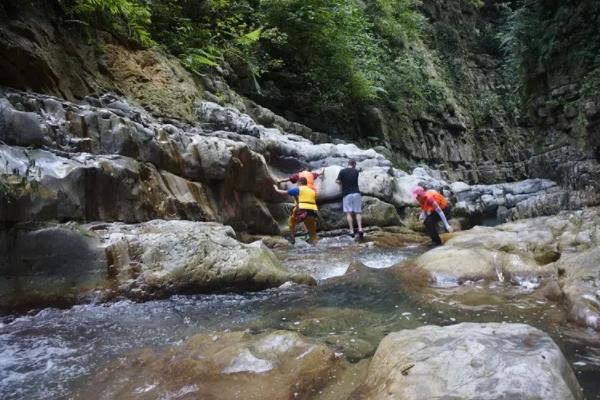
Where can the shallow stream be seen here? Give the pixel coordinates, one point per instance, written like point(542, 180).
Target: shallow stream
point(49, 352)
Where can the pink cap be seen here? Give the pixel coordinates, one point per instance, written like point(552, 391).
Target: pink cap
point(418, 191)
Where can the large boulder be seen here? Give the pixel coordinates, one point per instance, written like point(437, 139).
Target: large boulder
point(40, 185)
point(54, 264)
point(522, 252)
point(157, 258)
point(278, 365)
point(51, 263)
point(581, 286)
point(375, 213)
point(469, 361)
point(484, 253)
point(20, 128)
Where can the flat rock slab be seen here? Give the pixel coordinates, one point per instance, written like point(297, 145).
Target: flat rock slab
point(469, 361)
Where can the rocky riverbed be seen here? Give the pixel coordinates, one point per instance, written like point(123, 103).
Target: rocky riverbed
point(105, 206)
point(358, 327)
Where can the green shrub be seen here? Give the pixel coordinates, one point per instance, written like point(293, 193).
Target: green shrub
point(129, 17)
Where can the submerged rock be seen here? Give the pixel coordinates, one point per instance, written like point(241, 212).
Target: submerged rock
point(469, 361)
point(279, 365)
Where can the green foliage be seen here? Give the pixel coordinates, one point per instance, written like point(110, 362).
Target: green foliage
point(208, 33)
point(409, 85)
point(130, 17)
point(341, 52)
point(395, 20)
point(541, 35)
point(328, 47)
point(476, 3)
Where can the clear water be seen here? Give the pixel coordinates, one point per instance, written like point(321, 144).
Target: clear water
point(46, 354)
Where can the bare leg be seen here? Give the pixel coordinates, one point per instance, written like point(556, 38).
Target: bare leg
point(350, 224)
point(359, 221)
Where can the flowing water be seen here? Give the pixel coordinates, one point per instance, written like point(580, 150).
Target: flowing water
point(48, 353)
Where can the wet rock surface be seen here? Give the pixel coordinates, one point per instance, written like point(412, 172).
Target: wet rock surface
point(278, 365)
point(581, 286)
point(557, 252)
point(53, 264)
point(63, 263)
point(469, 361)
point(221, 171)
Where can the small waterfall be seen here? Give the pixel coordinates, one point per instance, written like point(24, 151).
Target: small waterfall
point(497, 267)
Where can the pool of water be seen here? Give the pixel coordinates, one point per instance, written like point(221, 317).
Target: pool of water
point(45, 354)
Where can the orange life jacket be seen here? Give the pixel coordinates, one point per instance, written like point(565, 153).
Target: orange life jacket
point(310, 179)
point(428, 199)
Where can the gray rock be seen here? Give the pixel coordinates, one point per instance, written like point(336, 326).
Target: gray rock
point(44, 186)
point(470, 361)
point(581, 286)
point(45, 265)
point(522, 252)
point(59, 263)
point(375, 213)
point(20, 128)
point(173, 256)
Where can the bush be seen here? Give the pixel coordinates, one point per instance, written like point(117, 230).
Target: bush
point(130, 18)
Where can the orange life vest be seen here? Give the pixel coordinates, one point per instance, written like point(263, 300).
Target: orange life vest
point(429, 198)
point(310, 179)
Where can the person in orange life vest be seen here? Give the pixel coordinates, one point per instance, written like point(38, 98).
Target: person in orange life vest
point(434, 208)
point(308, 175)
point(305, 209)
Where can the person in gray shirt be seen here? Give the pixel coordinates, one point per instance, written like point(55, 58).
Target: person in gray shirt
point(351, 198)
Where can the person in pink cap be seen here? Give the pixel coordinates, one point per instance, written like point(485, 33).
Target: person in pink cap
point(434, 208)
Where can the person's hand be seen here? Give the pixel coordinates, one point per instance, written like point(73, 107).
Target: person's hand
point(449, 229)
point(276, 187)
point(422, 216)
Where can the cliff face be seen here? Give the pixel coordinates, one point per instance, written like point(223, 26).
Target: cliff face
point(96, 129)
point(477, 132)
point(474, 134)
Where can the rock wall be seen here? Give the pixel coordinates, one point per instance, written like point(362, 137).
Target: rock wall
point(105, 132)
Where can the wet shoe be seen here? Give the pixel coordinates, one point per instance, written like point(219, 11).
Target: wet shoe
point(351, 234)
point(361, 234)
point(291, 239)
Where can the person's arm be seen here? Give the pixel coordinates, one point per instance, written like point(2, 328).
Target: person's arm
point(280, 191)
point(442, 217)
point(319, 173)
point(283, 180)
